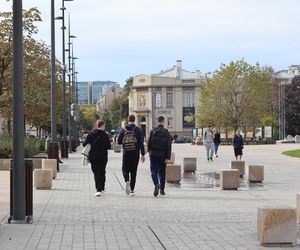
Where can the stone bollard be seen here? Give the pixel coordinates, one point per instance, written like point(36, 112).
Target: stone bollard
point(298, 208)
point(173, 173)
point(172, 158)
point(5, 164)
point(42, 178)
point(50, 164)
point(229, 179)
point(36, 163)
point(240, 165)
point(276, 225)
point(117, 148)
point(189, 164)
point(255, 173)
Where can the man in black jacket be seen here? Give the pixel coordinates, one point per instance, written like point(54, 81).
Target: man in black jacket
point(159, 147)
point(132, 140)
point(100, 143)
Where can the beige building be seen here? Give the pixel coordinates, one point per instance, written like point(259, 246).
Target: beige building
point(106, 99)
point(172, 93)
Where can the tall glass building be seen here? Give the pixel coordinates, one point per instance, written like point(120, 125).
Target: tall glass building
point(89, 92)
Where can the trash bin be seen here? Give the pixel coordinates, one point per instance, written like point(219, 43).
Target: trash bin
point(28, 189)
point(53, 152)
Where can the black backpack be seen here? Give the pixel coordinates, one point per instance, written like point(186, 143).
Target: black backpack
point(129, 141)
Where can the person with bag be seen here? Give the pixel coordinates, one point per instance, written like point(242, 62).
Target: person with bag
point(159, 148)
point(209, 143)
point(132, 141)
point(100, 143)
point(217, 141)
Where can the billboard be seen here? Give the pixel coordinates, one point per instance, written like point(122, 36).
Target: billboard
point(188, 117)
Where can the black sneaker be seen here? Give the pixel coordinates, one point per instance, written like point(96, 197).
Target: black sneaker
point(162, 192)
point(211, 158)
point(208, 159)
point(156, 189)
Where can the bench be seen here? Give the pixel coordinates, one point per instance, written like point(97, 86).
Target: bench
point(189, 164)
point(173, 173)
point(229, 179)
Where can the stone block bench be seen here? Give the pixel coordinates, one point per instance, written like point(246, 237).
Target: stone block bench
point(5, 164)
point(189, 164)
point(36, 163)
point(276, 225)
point(229, 179)
point(240, 165)
point(173, 173)
point(298, 208)
point(42, 178)
point(117, 148)
point(255, 173)
point(50, 164)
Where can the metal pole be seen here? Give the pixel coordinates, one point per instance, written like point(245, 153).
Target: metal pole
point(18, 116)
point(283, 111)
point(279, 111)
point(53, 83)
point(70, 89)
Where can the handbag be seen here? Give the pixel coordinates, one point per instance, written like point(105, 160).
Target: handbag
point(85, 151)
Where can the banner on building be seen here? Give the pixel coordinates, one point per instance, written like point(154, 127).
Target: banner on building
point(188, 115)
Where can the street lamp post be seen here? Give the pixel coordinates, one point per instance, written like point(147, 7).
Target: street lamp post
point(18, 116)
point(281, 110)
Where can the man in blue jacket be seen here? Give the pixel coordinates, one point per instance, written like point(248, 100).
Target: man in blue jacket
point(132, 140)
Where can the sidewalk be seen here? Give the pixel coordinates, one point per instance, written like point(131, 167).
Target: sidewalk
point(188, 217)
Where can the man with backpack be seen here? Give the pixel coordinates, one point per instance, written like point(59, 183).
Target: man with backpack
point(132, 140)
point(159, 147)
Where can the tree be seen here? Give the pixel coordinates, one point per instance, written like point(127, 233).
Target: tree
point(237, 96)
point(88, 116)
point(292, 100)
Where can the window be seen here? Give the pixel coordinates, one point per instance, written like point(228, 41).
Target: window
point(169, 122)
point(188, 99)
point(169, 100)
point(158, 100)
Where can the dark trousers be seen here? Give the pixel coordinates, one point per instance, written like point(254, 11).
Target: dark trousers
point(158, 170)
point(129, 167)
point(99, 175)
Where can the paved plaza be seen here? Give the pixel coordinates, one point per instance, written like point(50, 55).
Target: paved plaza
point(195, 214)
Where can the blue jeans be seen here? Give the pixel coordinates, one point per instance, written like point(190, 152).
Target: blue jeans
point(158, 170)
point(216, 148)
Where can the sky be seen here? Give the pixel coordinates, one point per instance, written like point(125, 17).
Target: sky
point(117, 39)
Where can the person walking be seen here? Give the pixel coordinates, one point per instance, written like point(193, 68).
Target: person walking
point(238, 144)
point(217, 141)
point(209, 143)
point(159, 148)
point(100, 143)
point(132, 140)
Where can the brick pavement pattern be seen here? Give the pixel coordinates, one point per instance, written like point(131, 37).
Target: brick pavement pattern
point(190, 216)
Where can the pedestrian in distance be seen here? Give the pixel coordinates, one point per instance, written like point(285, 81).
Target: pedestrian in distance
point(100, 143)
point(238, 144)
point(133, 144)
point(208, 141)
point(159, 148)
point(217, 141)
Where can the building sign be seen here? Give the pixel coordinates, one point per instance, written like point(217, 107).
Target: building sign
point(163, 112)
point(188, 117)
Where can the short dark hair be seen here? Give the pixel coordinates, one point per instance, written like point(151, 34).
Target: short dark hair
point(160, 119)
point(131, 118)
point(100, 123)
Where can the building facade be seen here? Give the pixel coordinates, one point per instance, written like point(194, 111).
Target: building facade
point(173, 93)
point(89, 92)
point(106, 99)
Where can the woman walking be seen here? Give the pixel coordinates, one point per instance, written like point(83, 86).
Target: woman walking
point(209, 143)
point(217, 141)
point(238, 144)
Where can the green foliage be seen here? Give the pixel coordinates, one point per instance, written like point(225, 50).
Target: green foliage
point(88, 116)
point(292, 153)
point(237, 96)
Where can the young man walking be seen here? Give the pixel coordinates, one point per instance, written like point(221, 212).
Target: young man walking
point(100, 143)
point(132, 140)
point(159, 147)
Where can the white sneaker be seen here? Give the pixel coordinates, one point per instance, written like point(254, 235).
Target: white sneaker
point(127, 188)
point(131, 193)
point(98, 194)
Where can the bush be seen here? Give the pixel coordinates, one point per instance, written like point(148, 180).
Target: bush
point(31, 146)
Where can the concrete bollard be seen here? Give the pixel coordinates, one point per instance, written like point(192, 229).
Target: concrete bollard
point(42, 178)
point(298, 208)
point(240, 165)
point(36, 163)
point(117, 148)
point(50, 164)
point(276, 225)
point(173, 173)
point(189, 164)
point(229, 179)
point(255, 173)
point(172, 160)
point(5, 164)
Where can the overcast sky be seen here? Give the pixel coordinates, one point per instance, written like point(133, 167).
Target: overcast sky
point(117, 39)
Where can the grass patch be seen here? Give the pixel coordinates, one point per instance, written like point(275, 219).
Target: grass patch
point(292, 153)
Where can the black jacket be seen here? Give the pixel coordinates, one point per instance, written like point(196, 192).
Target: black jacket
point(160, 142)
point(100, 143)
point(217, 139)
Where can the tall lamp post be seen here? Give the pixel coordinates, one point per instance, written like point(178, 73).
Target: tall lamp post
point(282, 110)
point(18, 116)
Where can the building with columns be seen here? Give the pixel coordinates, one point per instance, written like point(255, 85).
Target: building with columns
point(173, 93)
